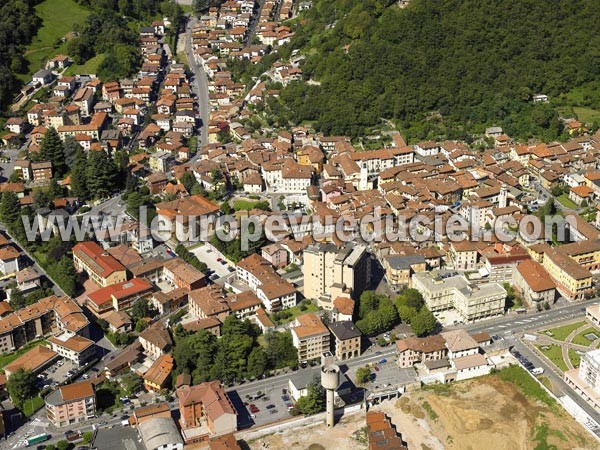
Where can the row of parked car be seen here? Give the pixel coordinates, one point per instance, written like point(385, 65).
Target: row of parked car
point(528, 364)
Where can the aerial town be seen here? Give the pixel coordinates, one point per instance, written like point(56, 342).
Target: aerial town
point(181, 267)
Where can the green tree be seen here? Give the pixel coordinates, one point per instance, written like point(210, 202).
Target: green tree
point(62, 445)
point(132, 383)
point(363, 374)
point(9, 207)
point(424, 322)
point(71, 150)
point(280, 350)
point(410, 297)
point(52, 150)
point(189, 181)
point(257, 363)
point(21, 386)
point(101, 174)
point(79, 185)
point(314, 401)
point(194, 354)
point(17, 299)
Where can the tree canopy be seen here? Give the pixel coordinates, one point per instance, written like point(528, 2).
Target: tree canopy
point(441, 68)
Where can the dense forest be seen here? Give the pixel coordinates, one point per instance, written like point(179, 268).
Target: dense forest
point(107, 31)
point(442, 68)
point(18, 26)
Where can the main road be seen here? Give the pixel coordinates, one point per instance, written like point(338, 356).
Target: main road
point(199, 86)
point(512, 324)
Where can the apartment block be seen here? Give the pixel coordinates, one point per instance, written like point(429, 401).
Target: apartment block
point(310, 336)
point(472, 302)
point(347, 339)
point(258, 274)
point(330, 272)
point(101, 267)
point(73, 403)
point(586, 379)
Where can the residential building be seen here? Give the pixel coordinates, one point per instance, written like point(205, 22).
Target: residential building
point(415, 350)
point(156, 340)
point(471, 301)
point(157, 377)
point(330, 272)
point(118, 296)
point(35, 360)
point(586, 379)
point(70, 404)
point(45, 317)
point(274, 292)
point(9, 260)
point(534, 283)
point(346, 339)
point(592, 313)
point(310, 336)
point(205, 411)
point(343, 309)
point(101, 267)
point(78, 349)
point(572, 280)
point(194, 214)
point(400, 268)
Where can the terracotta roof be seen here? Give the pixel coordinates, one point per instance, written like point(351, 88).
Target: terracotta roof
point(309, 325)
point(99, 261)
point(76, 391)
point(32, 359)
point(211, 395)
point(535, 276)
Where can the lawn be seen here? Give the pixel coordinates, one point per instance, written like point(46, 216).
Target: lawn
point(566, 201)
point(287, 315)
point(580, 339)
point(58, 18)
point(90, 66)
point(10, 357)
point(246, 205)
point(574, 357)
point(32, 405)
point(554, 354)
point(561, 333)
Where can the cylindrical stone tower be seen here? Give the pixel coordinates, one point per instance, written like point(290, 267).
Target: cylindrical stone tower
point(330, 378)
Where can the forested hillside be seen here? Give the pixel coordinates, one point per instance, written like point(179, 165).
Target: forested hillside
point(18, 26)
point(443, 68)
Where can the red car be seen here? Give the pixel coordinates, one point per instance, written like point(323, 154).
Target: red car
point(253, 408)
point(219, 259)
point(376, 368)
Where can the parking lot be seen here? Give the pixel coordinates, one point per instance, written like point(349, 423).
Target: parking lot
point(214, 260)
point(271, 393)
point(387, 374)
point(55, 374)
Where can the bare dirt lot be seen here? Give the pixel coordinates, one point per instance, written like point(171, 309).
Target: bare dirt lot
point(347, 434)
point(488, 413)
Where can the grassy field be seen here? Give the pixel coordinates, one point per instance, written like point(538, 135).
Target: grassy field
point(58, 18)
point(574, 357)
point(90, 66)
point(10, 357)
point(246, 205)
point(32, 405)
point(561, 333)
point(566, 201)
point(530, 388)
point(587, 115)
point(554, 354)
point(182, 58)
point(580, 339)
point(287, 315)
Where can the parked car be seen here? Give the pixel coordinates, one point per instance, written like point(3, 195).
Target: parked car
point(270, 406)
point(219, 259)
point(383, 361)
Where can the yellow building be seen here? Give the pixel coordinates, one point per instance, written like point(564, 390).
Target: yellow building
point(572, 280)
point(101, 267)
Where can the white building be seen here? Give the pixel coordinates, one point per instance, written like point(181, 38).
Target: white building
point(472, 302)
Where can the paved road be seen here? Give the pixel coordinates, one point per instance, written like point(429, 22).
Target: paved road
point(199, 86)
